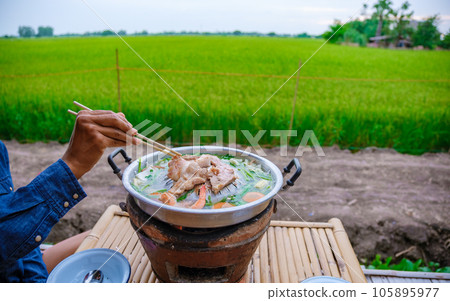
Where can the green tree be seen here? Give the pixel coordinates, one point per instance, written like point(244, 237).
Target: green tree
point(427, 33)
point(26, 32)
point(303, 35)
point(354, 36)
point(366, 27)
point(383, 9)
point(445, 43)
point(336, 32)
point(402, 17)
point(45, 31)
point(142, 33)
point(107, 33)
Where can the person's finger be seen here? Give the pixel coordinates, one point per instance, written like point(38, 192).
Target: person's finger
point(110, 142)
point(103, 112)
point(116, 134)
point(108, 114)
point(109, 120)
point(122, 115)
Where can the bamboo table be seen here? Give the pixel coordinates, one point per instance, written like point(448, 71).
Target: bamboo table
point(288, 252)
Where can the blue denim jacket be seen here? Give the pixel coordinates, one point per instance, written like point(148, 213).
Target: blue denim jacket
point(28, 214)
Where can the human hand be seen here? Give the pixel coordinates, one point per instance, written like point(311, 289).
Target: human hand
point(94, 131)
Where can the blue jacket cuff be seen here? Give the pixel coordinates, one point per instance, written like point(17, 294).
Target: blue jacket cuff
point(65, 191)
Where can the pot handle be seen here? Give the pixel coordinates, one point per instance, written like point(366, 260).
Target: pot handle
point(113, 164)
point(287, 169)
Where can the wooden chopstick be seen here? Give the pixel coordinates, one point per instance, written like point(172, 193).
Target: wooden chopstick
point(158, 148)
point(164, 150)
point(81, 106)
point(154, 143)
point(148, 141)
point(72, 112)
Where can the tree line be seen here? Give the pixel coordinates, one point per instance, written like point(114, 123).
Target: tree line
point(389, 27)
point(28, 31)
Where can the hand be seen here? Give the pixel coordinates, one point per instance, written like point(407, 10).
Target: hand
point(94, 131)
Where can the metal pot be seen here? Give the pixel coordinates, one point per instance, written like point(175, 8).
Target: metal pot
point(201, 218)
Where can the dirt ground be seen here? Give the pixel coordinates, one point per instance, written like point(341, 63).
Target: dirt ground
point(388, 202)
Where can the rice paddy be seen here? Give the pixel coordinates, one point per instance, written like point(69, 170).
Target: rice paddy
point(349, 96)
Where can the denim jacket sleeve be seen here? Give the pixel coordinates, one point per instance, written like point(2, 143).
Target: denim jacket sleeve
point(28, 214)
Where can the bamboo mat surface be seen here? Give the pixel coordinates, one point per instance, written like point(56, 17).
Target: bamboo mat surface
point(288, 252)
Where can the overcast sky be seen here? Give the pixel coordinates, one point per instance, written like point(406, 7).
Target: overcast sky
point(281, 16)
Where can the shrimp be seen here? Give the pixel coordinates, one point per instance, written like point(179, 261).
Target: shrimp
point(168, 199)
point(201, 199)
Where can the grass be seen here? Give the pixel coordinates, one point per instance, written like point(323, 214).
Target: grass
point(412, 117)
point(407, 265)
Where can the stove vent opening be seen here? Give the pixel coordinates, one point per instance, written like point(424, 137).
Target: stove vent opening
point(191, 274)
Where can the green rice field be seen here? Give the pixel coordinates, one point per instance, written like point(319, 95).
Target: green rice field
point(350, 96)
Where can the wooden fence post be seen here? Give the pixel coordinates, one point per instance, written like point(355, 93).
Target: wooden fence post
point(119, 104)
point(295, 100)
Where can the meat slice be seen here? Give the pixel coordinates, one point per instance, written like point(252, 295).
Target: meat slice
point(189, 181)
point(185, 174)
point(190, 171)
point(207, 160)
point(222, 176)
point(177, 168)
